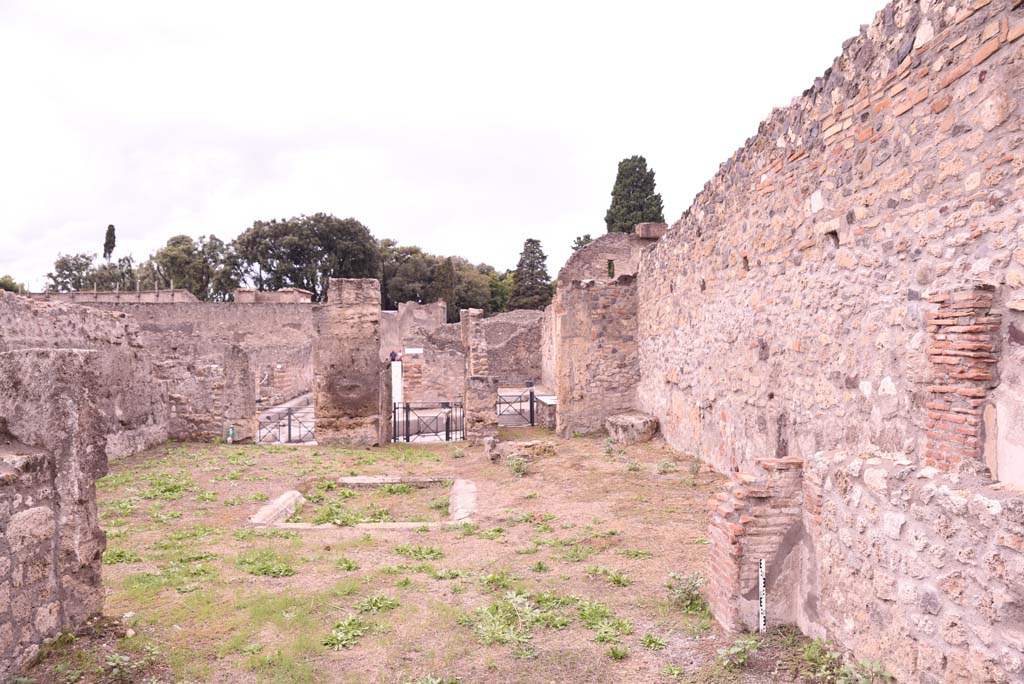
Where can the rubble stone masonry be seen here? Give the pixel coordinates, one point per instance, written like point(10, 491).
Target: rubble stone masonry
point(786, 312)
point(350, 376)
point(596, 352)
point(837, 322)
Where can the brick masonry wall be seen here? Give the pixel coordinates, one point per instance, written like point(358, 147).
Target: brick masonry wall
point(348, 384)
point(596, 349)
point(807, 261)
point(56, 412)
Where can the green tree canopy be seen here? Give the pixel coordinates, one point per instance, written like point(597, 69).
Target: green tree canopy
point(207, 267)
point(444, 287)
point(307, 251)
point(634, 199)
point(500, 286)
point(531, 286)
point(581, 241)
point(11, 285)
point(109, 242)
point(71, 272)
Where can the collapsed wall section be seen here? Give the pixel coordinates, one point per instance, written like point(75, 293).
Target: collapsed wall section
point(347, 388)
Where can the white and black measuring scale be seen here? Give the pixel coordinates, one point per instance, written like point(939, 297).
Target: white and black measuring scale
point(762, 599)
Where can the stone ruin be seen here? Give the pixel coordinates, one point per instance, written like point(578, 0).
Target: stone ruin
point(835, 323)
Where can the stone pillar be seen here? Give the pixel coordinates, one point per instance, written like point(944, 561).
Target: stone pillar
point(481, 398)
point(347, 379)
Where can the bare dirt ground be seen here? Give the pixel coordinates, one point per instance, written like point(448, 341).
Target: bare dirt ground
point(560, 578)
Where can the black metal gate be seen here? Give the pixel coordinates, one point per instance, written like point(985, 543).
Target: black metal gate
point(517, 407)
point(283, 425)
point(425, 421)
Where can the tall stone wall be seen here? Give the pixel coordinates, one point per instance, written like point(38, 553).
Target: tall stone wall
point(348, 383)
point(596, 350)
point(786, 312)
point(850, 282)
point(138, 405)
point(547, 349)
point(277, 337)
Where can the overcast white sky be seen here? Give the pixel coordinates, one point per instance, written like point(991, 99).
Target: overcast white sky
point(461, 127)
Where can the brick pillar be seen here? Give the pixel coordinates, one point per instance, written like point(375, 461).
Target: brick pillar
point(481, 389)
point(962, 354)
point(347, 382)
point(755, 517)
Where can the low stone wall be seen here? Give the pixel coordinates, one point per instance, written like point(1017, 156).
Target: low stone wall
point(596, 349)
point(55, 418)
point(892, 561)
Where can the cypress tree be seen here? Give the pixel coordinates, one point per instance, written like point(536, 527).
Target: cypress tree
point(109, 240)
point(633, 197)
point(531, 286)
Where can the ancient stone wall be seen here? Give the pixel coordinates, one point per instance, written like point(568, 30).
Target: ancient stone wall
point(278, 338)
point(786, 312)
point(439, 373)
point(596, 350)
point(514, 346)
point(54, 422)
point(897, 562)
point(481, 389)
point(139, 405)
point(348, 383)
point(405, 328)
point(606, 258)
point(850, 283)
point(548, 372)
point(286, 295)
point(175, 296)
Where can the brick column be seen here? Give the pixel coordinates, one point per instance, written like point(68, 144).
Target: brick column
point(962, 354)
point(754, 518)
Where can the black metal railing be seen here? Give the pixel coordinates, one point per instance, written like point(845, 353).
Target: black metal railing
point(517, 407)
point(425, 421)
point(283, 425)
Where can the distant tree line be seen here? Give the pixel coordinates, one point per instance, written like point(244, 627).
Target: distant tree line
point(305, 252)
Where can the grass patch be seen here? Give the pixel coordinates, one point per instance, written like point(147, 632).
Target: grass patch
point(116, 556)
point(265, 563)
point(336, 513)
point(378, 603)
point(346, 633)
point(420, 553)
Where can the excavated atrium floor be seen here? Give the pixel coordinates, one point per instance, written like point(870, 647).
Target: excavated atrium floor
point(555, 574)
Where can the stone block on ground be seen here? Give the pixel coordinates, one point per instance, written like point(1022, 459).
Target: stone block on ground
point(631, 428)
point(501, 452)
